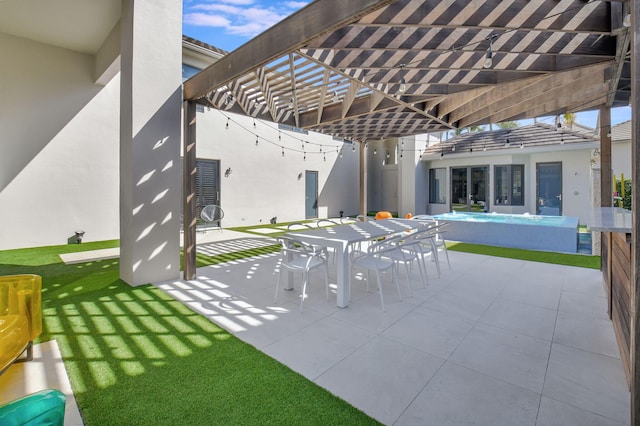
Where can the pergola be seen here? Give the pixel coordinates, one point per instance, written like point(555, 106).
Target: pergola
point(371, 69)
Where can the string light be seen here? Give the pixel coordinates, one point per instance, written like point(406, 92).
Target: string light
point(227, 126)
point(256, 140)
point(488, 61)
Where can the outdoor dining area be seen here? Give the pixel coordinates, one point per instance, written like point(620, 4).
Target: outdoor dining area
point(487, 340)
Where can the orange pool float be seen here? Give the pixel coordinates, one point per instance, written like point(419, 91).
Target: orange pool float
point(383, 215)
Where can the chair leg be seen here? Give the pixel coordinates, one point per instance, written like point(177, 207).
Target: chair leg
point(29, 351)
point(305, 280)
point(326, 279)
point(379, 287)
point(446, 253)
point(406, 268)
point(394, 276)
point(423, 275)
point(434, 251)
point(275, 299)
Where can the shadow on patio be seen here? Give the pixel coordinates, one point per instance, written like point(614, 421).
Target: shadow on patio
point(493, 341)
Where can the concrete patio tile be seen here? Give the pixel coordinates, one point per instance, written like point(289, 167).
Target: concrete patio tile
point(312, 350)
point(458, 396)
point(533, 293)
point(433, 332)
point(588, 381)
point(367, 314)
point(587, 333)
point(463, 302)
point(556, 413)
point(521, 318)
point(505, 355)
point(584, 303)
point(383, 393)
point(584, 280)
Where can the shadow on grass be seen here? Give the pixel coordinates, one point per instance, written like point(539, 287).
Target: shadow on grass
point(138, 356)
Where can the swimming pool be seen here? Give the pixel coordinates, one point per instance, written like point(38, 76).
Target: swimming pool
point(532, 232)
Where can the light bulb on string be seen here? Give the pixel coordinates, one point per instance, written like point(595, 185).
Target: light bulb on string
point(282, 151)
point(256, 140)
point(227, 125)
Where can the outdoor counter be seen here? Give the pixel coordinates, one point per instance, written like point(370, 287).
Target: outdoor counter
point(607, 219)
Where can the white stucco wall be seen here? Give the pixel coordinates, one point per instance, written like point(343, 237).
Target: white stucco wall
point(621, 158)
point(264, 184)
point(59, 143)
point(59, 167)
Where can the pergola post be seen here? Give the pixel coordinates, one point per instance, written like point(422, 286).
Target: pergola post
point(606, 184)
point(363, 180)
point(635, 234)
point(189, 190)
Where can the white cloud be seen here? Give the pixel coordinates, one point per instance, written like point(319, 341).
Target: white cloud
point(205, 20)
point(245, 18)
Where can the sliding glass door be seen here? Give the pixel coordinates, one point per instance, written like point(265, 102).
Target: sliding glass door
point(469, 187)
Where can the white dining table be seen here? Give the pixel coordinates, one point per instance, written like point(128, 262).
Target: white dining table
point(340, 237)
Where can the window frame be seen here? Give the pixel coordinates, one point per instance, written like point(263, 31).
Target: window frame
point(441, 190)
point(511, 171)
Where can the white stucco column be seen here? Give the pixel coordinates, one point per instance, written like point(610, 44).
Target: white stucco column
point(150, 126)
point(406, 176)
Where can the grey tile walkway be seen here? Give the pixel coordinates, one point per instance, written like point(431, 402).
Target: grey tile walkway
point(491, 342)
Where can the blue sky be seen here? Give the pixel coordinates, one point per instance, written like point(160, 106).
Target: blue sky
point(228, 24)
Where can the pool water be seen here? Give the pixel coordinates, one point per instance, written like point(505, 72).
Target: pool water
point(520, 219)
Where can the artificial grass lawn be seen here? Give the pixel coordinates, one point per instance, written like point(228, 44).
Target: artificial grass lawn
point(579, 260)
point(137, 356)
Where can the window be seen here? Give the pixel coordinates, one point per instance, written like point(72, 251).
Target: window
point(189, 71)
point(437, 179)
point(509, 188)
point(207, 183)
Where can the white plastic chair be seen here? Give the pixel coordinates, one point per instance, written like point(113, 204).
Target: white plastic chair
point(438, 240)
point(298, 256)
point(212, 214)
point(297, 226)
point(407, 251)
point(425, 246)
point(375, 259)
point(321, 223)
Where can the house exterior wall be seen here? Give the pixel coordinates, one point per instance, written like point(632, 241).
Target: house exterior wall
point(576, 178)
point(264, 184)
point(621, 158)
point(59, 134)
point(59, 168)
